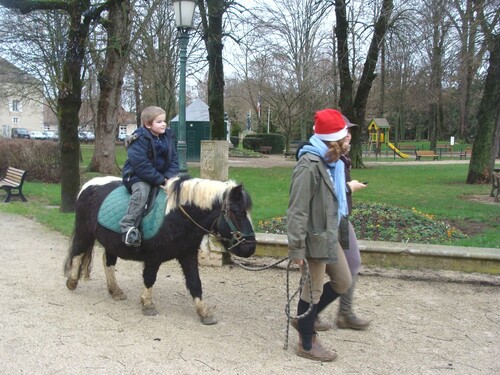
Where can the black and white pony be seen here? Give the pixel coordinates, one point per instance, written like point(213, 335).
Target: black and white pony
point(194, 208)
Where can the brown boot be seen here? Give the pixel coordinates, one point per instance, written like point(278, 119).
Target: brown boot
point(351, 321)
point(317, 352)
point(346, 317)
point(319, 324)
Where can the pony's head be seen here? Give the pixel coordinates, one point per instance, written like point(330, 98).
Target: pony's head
point(233, 227)
point(234, 224)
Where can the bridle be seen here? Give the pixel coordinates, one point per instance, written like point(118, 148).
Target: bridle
point(237, 237)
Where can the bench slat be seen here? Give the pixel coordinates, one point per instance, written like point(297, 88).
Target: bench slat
point(13, 180)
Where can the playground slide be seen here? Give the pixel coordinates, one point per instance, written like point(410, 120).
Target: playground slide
point(396, 150)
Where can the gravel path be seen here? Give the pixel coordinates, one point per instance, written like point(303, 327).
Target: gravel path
point(423, 322)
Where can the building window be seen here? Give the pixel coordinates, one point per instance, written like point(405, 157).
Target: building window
point(15, 105)
point(15, 120)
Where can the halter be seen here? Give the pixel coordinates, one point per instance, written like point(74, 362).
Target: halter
point(237, 237)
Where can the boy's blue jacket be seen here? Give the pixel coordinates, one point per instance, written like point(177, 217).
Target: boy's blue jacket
point(142, 162)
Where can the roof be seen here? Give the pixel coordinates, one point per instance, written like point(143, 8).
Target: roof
point(381, 122)
point(197, 111)
point(11, 73)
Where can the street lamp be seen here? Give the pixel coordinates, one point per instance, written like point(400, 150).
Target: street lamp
point(184, 14)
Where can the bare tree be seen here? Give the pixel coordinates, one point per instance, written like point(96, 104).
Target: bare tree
point(354, 106)
point(487, 138)
point(81, 14)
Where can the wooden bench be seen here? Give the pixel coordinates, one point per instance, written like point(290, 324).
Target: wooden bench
point(427, 154)
point(265, 149)
point(405, 148)
point(443, 147)
point(463, 154)
point(13, 180)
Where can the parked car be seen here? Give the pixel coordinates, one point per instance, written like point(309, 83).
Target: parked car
point(84, 136)
point(51, 135)
point(37, 135)
point(20, 133)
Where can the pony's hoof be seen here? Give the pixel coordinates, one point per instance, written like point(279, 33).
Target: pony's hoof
point(71, 284)
point(118, 296)
point(208, 320)
point(149, 310)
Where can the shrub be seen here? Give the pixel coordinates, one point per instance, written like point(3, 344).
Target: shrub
point(235, 140)
point(252, 142)
point(380, 222)
point(39, 158)
point(275, 140)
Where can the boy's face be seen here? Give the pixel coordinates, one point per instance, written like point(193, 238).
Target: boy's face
point(158, 125)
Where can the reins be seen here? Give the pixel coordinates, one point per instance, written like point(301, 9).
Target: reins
point(288, 298)
point(239, 238)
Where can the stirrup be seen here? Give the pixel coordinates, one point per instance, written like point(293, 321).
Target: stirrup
point(132, 237)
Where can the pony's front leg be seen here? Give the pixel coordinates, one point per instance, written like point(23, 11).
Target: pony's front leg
point(193, 283)
point(109, 262)
point(149, 276)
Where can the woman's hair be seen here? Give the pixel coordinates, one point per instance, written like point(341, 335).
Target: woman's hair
point(335, 149)
point(150, 113)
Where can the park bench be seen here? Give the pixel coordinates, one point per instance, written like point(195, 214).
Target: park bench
point(13, 180)
point(463, 154)
point(426, 153)
point(446, 148)
point(407, 148)
point(265, 149)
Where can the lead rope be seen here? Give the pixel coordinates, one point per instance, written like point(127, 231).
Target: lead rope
point(307, 275)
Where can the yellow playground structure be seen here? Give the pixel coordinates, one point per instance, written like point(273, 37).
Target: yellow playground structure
point(378, 133)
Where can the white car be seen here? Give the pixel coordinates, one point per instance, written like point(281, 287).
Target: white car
point(51, 135)
point(37, 135)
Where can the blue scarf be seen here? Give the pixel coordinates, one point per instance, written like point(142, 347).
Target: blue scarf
point(337, 172)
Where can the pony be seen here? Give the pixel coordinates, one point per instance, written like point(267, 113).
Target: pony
point(194, 208)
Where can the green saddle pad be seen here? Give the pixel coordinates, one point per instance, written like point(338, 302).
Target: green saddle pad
point(115, 206)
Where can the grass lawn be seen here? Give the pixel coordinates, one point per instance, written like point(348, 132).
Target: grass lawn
point(436, 191)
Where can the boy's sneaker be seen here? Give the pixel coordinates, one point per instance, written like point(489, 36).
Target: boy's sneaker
point(132, 237)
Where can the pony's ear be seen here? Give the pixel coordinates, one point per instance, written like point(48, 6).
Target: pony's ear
point(237, 192)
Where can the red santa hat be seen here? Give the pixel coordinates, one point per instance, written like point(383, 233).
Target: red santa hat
point(330, 125)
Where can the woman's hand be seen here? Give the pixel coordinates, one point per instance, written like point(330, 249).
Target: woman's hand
point(355, 185)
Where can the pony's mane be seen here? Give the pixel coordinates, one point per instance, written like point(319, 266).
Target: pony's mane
point(196, 191)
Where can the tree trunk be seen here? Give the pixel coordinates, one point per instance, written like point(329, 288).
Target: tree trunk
point(355, 109)
point(213, 30)
point(110, 80)
point(483, 156)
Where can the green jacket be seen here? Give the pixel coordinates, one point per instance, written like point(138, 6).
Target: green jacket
point(312, 227)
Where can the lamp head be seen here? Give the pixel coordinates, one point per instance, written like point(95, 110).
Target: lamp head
point(184, 13)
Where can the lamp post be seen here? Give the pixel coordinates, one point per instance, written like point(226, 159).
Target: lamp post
point(184, 14)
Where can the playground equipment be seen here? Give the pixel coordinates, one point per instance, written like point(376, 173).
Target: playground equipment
point(378, 133)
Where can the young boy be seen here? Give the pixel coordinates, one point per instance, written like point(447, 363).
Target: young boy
point(152, 160)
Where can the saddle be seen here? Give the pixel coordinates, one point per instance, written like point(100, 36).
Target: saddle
point(115, 205)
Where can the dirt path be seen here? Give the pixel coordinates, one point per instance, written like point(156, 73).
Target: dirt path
point(427, 325)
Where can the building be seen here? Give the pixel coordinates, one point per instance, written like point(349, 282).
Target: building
point(20, 100)
point(197, 128)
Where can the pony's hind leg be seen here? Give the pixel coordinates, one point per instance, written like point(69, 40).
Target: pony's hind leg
point(73, 271)
point(109, 262)
point(79, 259)
point(193, 283)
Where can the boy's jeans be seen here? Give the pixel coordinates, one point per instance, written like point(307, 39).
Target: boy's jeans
point(138, 199)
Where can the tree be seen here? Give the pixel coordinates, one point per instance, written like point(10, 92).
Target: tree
point(354, 105)
point(485, 144)
point(110, 78)
point(212, 13)
point(81, 14)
